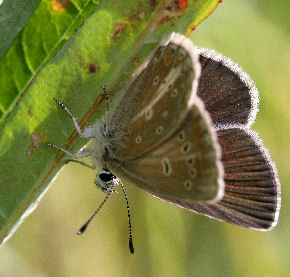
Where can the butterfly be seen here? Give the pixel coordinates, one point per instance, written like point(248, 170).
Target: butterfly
point(180, 131)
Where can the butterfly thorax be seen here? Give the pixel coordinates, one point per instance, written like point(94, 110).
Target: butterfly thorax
point(104, 144)
point(99, 144)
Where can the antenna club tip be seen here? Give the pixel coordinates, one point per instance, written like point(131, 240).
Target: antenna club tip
point(131, 247)
point(82, 230)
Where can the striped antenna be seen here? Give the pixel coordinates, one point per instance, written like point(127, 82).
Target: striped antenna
point(84, 227)
point(131, 247)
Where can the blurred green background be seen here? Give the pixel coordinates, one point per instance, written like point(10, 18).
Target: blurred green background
point(170, 241)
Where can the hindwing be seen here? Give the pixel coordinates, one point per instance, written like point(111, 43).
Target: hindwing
point(185, 166)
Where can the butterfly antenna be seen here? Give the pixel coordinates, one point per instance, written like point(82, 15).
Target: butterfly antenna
point(107, 96)
point(84, 227)
point(131, 247)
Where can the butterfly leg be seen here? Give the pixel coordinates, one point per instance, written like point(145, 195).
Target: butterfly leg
point(107, 101)
point(107, 96)
point(85, 134)
point(81, 154)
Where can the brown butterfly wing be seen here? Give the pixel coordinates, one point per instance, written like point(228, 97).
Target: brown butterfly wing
point(228, 92)
point(186, 166)
point(252, 188)
point(156, 101)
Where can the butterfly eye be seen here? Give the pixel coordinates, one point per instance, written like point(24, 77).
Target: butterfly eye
point(105, 180)
point(106, 177)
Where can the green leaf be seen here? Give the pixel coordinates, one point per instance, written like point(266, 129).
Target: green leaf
point(106, 49)
point(47, 30)
point(14, 15)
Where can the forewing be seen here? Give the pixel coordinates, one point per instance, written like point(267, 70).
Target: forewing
point(228, 92)
point(185, 166)
point(252, 188)
point(155, 102)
